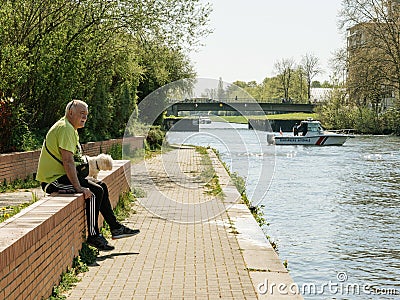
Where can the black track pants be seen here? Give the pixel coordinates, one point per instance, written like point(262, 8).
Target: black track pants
point(99, 202)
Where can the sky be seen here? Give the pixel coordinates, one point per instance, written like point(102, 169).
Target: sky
point(250, 36)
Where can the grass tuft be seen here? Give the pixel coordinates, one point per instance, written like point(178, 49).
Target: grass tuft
point(208, 174)
point(27, 183)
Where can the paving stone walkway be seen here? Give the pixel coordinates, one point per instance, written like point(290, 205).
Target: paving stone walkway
point(188, 246)
point(20, 196)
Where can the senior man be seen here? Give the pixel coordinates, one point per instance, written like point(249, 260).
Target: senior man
point(57, 173)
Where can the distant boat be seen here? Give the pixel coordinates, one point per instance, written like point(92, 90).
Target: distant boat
point(311, 133)
point(204, 120)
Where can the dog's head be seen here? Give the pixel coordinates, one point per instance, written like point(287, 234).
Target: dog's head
point(104, 161)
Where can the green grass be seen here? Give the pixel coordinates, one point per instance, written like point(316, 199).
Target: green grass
point(230, 119)
point(208, 174)
point(27, 183)
point(153, 153)
point(293, 116)
point(87, 256)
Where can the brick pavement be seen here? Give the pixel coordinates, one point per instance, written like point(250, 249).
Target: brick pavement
point(20, 196)
point(189, 246)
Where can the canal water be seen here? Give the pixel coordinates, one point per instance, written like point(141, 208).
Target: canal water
point(332, 211)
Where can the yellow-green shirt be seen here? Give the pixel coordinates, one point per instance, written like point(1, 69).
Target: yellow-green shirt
point(61, 135)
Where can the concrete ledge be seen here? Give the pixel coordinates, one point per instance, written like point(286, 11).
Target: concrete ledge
point(40, 242)
point(263, 264)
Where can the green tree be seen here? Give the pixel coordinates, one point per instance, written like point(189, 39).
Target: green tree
point(310, 68)
point(52, 51)
point(316, 84)
point(284, 69)
point(298, 86)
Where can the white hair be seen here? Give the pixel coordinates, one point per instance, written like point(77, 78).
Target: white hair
point(72, 104)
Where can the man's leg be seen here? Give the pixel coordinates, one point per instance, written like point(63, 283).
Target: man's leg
point(63, 186)
point(117, 229)
point(99, 202)
point(92, 207)
point(100, 190)
point(106, 208)
point(92, 212)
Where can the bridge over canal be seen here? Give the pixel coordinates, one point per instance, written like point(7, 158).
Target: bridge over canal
point(240, 106)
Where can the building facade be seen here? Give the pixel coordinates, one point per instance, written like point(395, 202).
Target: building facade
point(373, 59)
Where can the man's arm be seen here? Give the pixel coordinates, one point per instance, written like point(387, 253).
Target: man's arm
point(70, 169)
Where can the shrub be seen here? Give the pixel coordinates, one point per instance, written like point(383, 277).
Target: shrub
point(115, 151)
point(155, 138)
point(5, 124)
point(391, 121)
point(15, 134)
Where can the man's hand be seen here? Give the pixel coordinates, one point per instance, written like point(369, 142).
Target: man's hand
point(86, 193)
point(70, 169)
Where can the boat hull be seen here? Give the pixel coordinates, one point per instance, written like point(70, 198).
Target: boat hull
point(317, 140)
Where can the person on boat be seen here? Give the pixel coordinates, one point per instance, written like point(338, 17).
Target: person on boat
point(305, 129)
point(302, 128)
point(295, 130)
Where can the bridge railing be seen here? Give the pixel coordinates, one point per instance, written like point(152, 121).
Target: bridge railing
point(235, 100)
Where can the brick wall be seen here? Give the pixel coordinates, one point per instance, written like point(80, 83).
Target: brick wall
point(23, 164)
point(40, 242)
point(18, 165)
point(94, 148)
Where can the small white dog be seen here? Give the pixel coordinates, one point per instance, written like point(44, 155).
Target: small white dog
point(101, 162)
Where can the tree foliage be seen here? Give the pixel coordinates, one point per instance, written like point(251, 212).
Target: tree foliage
point(108, 53)
point(368, 70)
point(284, 69)
point(289, 83)
point(310, 67)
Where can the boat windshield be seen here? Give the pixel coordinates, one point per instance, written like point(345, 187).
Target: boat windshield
point(315, 127)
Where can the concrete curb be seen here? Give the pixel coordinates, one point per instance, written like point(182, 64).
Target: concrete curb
point(270, 278)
